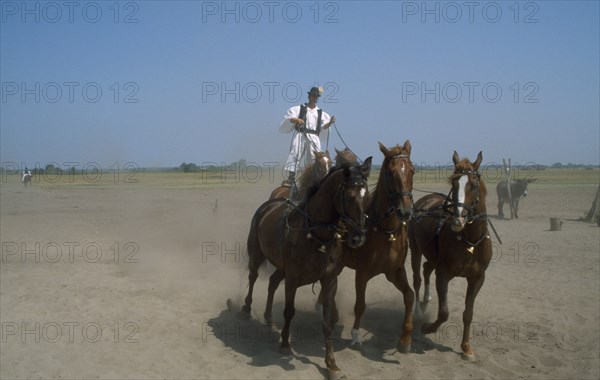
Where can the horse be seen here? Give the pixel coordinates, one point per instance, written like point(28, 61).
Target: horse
point(388, 208)
point(303, 243)
point(451, 232)
point(345, 158)
point(309, 177)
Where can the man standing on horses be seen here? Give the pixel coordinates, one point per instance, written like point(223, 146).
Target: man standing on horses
point(307, 120)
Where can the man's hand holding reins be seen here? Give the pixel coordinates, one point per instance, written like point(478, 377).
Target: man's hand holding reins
point(330, 123)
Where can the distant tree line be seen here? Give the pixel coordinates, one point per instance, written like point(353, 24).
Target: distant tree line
point(191, 167)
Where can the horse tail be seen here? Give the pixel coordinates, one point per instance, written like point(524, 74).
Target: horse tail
point(255, 256)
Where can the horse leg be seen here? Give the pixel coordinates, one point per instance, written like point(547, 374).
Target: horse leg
point(516, 209)
point(512, 208)
point(441, 286)
point(428, 267)
point(328, 290)
point(500, 211)
point(288, 313)
point(415, 263)
point(360, 284)
point(256, 259)
point(274, 281)
point(400, 280)
point(319, 302)
point(474, 284)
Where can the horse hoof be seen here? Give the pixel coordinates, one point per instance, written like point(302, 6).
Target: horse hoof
point(268, 321)
point(285, 351)
point(403, 348)
point(468, 357)
point(244, 313)
point(427, 328)
point(356, 338)
point(336, 375)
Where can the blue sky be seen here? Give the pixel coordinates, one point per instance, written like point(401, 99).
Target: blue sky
point(158, 83)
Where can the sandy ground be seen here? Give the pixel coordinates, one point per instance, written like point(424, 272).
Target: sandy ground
point(131, 280)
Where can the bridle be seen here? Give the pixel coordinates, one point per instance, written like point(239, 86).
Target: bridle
point(391, 194)
point(444, 212)
point(394, 197)
point(344, 221)
point(450, 201)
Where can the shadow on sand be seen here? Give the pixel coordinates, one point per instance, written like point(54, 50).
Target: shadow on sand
point(380, 330)
point(258, 341)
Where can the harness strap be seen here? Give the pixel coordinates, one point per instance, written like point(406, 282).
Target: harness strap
point(302, 115)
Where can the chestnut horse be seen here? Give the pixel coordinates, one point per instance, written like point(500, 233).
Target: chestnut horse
point(451, 232)
point(388, 209)
point(309, 177)
point(303, 243)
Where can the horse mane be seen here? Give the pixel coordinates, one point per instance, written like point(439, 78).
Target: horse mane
point(315, 186)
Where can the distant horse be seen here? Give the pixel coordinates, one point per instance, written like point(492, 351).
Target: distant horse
point(451, 232)
point(311, 175)
point(303, 243)
point(518, 190)
point(388, 208)
point(26, 179)
point(345, 158)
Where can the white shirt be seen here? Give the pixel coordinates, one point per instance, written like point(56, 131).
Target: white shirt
point(312, 117)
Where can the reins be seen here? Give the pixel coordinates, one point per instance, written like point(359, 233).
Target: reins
point(311, 224)
point(343, 142)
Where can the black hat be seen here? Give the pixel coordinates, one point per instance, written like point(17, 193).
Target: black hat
point(316, 91)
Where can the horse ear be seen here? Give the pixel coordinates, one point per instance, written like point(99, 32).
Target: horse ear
point(383, 149)
point(478, 161)
point(337, 151)
point(407, 147)
point(365, 168)
point(455, 158)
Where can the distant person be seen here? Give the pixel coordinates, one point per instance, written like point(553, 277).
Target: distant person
point(26, 173)
point(307, 121)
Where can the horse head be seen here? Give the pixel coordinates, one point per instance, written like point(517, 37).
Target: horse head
point(398, 170)
point(322, 164)
point(345, 158)
point(349, 202)
point(468, 191)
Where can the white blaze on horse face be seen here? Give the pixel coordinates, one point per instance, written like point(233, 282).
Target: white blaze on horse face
point(402, 168)
point(462, 184)
point(363, 192)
